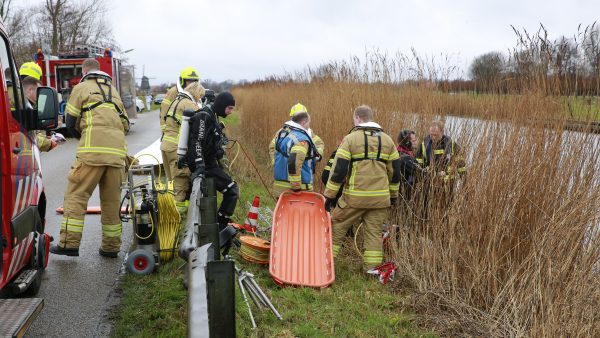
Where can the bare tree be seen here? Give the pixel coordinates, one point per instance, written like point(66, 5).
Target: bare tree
point(487, 70)
point(65, 23)
point(591, 48)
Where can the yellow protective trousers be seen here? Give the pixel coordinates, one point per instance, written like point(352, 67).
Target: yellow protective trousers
point(82, 180)
point(372, 222)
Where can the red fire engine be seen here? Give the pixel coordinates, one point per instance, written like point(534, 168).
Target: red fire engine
point(64, 71)
point(23, 243)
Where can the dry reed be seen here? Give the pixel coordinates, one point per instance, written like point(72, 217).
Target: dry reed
point(515, 251)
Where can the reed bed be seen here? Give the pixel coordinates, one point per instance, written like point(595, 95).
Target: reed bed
point(510, 249)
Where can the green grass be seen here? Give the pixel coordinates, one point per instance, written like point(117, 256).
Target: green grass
point(355, 305)
point(153, 305)
point(582, 107)
point(573, 107)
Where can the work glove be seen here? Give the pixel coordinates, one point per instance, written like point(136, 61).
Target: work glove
point(58, 138)
point(329, 204)
point(393, 200)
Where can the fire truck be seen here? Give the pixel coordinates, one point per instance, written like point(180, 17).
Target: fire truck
point(23, 243)
point(63, 71)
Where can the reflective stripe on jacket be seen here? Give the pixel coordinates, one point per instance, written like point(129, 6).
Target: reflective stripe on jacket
point(170, 96)
point(102, 124)
point(367, 165)
point(444, 155)
point(294, 157)
point(173, 119)
point(317, 141)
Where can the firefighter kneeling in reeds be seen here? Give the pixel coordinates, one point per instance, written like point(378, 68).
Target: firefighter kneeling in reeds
point(440, 156)
point(368, 157)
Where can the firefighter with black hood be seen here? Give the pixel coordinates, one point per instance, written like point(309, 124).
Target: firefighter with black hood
point(206, 151)
point(95, 114)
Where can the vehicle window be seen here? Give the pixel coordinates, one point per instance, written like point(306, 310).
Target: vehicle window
point(13, 84)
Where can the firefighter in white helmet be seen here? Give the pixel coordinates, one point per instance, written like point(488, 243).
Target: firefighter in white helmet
point(95, 112)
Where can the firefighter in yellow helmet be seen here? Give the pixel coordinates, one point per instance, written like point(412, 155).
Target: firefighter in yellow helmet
point(31, 69)
point(187, 76)
point(186, 99)
point(31, 75)
point(368, 156)
point(30, 86)
point(281, 186)
point(96, 113)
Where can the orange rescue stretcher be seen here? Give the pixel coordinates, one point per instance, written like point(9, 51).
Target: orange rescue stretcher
point(301, 247)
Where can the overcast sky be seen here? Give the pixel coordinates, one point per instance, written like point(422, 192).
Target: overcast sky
point(251, 39)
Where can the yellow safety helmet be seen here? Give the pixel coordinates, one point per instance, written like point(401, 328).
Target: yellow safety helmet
point(31, 69)
point(298, 108)
point(188, 73)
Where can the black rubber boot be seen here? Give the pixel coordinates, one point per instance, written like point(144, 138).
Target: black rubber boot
point(108, 254)
point(58, 250)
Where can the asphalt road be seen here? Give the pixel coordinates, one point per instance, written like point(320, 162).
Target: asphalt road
point(79, 291)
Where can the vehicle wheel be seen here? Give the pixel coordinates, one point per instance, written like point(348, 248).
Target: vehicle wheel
point(42, 253)
point(35, 263)
point(140, 262)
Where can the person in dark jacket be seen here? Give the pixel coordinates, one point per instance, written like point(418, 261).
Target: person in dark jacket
point(409, 167)
point(441, 157)
point(206, 150)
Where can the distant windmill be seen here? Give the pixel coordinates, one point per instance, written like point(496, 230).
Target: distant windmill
point(145, 83)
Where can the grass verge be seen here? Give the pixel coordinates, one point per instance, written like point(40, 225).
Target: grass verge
point(156, 305)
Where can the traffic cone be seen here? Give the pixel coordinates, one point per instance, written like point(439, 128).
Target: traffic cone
point(252, 219)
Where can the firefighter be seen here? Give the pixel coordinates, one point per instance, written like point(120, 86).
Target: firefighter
point(368, 156)
point(186, 77)
point(440, 156)
point(186, 99)
point(440, 153)
point(320, 145)
point(30, 86)
point(31, 69)
point(31, 75)
point(206, 150)
point(96, 114)
point(295, 156)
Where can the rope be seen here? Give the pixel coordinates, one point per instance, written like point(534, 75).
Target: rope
point(254, 255)
point(355, 239)
point(256, 170)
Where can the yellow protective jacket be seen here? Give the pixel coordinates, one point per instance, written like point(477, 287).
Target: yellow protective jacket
point(101, 120)
point(165, 104)
point(318, 142)
point(43, 142)
point(173, 119)
point(444, 155)
point(367, 166)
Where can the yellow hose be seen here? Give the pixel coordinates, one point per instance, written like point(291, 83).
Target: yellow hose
point(236, 156)
point(168, 225)
point(169, 222)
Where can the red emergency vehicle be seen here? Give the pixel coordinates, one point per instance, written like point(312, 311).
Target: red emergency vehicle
point(23, 243)
point(63, 72)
